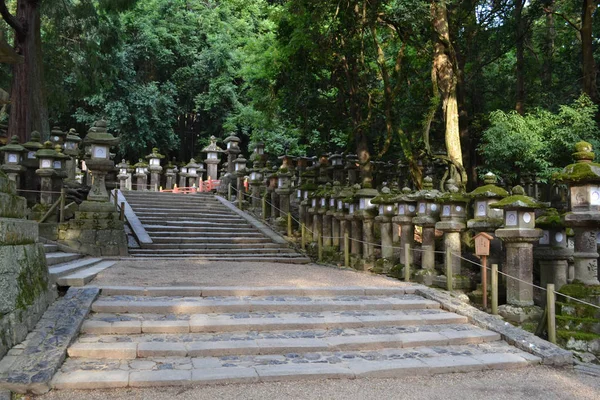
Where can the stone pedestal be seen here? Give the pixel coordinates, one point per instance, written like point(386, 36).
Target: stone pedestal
point(154, 178)
point(141, 182)
point(256, 197)
point(46, 186)
point(519, 264)
point(170, 180)
point(25, 287)
point(284, 200)
point(387, 239)
point(368, 237)
point(427, 215)
point(356, 246)
point(275, 201)
point(182, 179)
point(335, 230)
point(327, 231)
point(585, 255)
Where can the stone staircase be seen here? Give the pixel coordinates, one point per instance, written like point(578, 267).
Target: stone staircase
point(200, 226)
point(165, 336)
point(72, 269)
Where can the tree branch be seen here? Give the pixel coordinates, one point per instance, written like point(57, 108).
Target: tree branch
point(10, 19)
point(563, 16)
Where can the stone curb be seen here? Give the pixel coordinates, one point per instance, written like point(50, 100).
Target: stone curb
point(277, 238)
point(42, 353)
point(134, 222)
point(550, 354)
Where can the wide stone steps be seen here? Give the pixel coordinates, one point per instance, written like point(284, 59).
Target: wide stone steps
point(70, 267)
point(201, 234)
point(50, 248)
point(265, 258)
point(230, 239)
point(216, 228)
point(198, 215)
point(217, 251)
point(216, 246)
point(84, 276)
point(161, 336)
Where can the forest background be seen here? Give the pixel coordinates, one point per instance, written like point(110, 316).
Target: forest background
point(483, 85)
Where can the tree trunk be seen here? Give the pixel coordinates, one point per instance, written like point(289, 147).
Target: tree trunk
point(28, 111)
point(444, 65)
point(589, 65)
point(548, 67)
point(520, 47)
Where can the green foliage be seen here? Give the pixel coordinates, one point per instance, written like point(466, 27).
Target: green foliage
point(540, 142)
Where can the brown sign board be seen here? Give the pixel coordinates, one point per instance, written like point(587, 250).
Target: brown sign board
point(482, 244)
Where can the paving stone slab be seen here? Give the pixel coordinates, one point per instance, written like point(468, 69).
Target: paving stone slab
point(160, 378)
point(303, 372)
point(224, 375)
point(549, 353)
point(47, 344)
point(91, 380)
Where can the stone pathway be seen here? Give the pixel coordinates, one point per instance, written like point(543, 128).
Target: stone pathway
point(138, 337)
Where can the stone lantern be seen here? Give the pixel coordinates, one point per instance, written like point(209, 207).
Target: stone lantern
point(256, 183)
point(123, 175)
point(331, 212)
point(46, 156)
point(552, 252)
point(323, 169)
point(192, 173)
point(306, 190)
point(99, 162)
point(583, 178)
point(428, 212)
point(71, 147)
point(154, 168)
point(341, 211)
point(183, 174)
point(232, 143)
point(387, 210)
point(57, 136)
point(351, 204)
point(13, 159)
point(518, 234)
point(301, 165)
point(284, 188)
point(271, 194)
point(31, 163)
point(366, 213)
point(141, 175)
point(337, 163)
point(130, 172)
point(60, 163)
point(324, 214)
point(452, 223)
point(313, 211)
point(240, 171)
point(352, 168)
point(171, 175)
point(212, 158)
point(407, 210)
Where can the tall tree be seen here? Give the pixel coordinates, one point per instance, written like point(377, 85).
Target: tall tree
point(28, 110)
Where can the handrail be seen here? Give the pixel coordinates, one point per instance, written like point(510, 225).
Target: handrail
point(61, 202)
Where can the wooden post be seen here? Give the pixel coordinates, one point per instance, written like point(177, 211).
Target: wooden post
point(240, 199)
point(484, 280)
point(303, 232)
point(289, 224)
point(551, 306)
point(449, 269)
point(122, 216)
point(346, 249)
point(63, 196)
point(494, 289)
point(319, 247)
point(116, 198)
point(407, 262)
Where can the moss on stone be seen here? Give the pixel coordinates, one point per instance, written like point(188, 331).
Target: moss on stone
point(585, 336)
point(580, 291)
point(579, 173)
point(551, 219)
point(488, 191)
point(32, 279)
point(518, 201)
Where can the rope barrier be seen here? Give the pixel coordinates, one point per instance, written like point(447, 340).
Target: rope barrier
point(38, 191)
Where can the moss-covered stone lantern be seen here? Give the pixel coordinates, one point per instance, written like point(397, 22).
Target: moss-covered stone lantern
point(123, 175)
point(57, 136)
point(341, 212)
point(140, 175)
point(240, 172)
point(487, 219)
point(366, 213)
point(284, 186)
point(325, 215)
point(406, 207)
point(428, 211)
point(452, 222)
point(13, 160)
point(71, 148)
point(46, 156)
point(387, 210)
point(192, 173)
point(307, 188)
point(60, 163)
point(212, 158)
point(583, 178)
point(356, 227)
point(518, 234)
point(313, 211)
point(154, 168)
point(170, 175)
point(552, 252)
point(183, 175)
point(99, 162)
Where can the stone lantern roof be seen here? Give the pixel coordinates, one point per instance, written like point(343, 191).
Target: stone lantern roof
point(34, 142)
point(59, 153)
point(192, 164)
point(232, 138)
point(140, 164)
point(212, 147)
point(73, 136)
point(154, 154)
point(453, 194)
point(584, 170)
point(47, 151)
point(13, 146)
point(519, 201)
point(405, 196)
point(551, 219)
point(490, 189)
point(122, 165)
point(99, 135)
point(428, 192)
point(351, 194)
point(386, 196)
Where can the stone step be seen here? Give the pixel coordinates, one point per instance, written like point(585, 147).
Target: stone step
point(149, 220)
point(207, 229)
point(260, 258)
point(199, 224)
point(196, 305)
point(60, 257)
point(175, 206)
point(274, 342)
point(248, 291)
point(204, 234)
point(214, 251)
point(209, 246)
point(224, 239)
point(201, 215)
point(385, 363)
point(118, 324)
point(60, 270)
point(50, 248)
point(84, 276)
point(171, 196)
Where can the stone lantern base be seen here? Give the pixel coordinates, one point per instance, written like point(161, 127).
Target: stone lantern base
point(520, 314)
point(95, 231)
point(25, 286)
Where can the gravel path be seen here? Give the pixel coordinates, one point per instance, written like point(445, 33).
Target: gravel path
point(539, 383)
point(215, 273)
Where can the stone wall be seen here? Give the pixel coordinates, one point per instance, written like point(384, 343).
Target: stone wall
point(25, 288)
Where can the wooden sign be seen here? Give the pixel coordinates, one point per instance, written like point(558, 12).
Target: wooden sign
point(482, 244)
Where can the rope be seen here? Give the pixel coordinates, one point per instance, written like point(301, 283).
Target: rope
point(38, 191)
